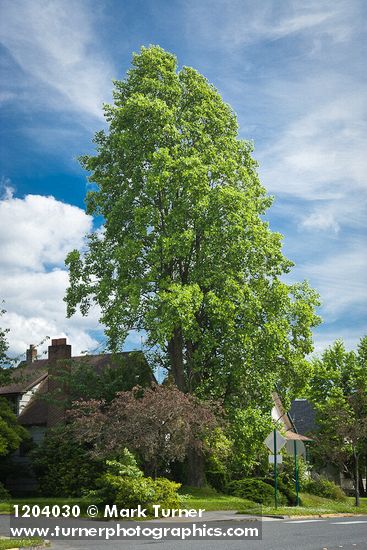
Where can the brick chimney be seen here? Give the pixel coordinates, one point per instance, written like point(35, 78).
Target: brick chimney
point(31, 354)
point(59, 349)
point(59, 355)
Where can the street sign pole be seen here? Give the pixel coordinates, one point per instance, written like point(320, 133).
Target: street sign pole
point(296, 471)
point(275, 470)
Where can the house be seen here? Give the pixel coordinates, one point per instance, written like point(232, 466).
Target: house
point(303, 414)
point(36, 379)
point(292, 433)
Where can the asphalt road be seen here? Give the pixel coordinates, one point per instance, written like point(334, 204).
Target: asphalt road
point(313, 534)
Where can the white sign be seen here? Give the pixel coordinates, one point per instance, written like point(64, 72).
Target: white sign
point(272, 459)
point(280, 441)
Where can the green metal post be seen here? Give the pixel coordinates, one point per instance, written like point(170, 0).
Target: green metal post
point(275, 470)
point(296, 471)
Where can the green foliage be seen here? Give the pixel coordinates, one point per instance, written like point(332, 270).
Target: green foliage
point(338, 370)
point(124, 484)
point(322, 487)
point(125, 466)
point(218, 479)
point(10, 544)
point(84, 381)
point(255, 490)
point(3, 342)
point(5, 369)
point(287, 473)
point(248, 429)
point(63, 466)
point(338, 391)
point(185, 253)
point(128, 492)
point(5, 375)
point(285, 488)
point(4, 494)
point(218, 460)
point(11, 433)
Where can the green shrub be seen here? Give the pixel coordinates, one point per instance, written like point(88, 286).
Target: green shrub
point(4, 494)
point(287, 472)
point(287, 491)
point(217, 479)
point(123, 484)
point(322, 487)
point(255, 490)
point(129, 492)
point(64, 467)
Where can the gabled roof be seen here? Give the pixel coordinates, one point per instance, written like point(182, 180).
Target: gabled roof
point(280, 413)
point(25, 377)
point(292, 431)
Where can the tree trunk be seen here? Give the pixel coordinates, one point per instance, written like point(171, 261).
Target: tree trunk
point(356, 477)
point(175, 352)
point(195, 476)
point(195, 468)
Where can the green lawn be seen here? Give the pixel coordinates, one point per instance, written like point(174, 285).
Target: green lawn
point(314, 506)
point(211, 500)
point(15, 543)
point(311, 505)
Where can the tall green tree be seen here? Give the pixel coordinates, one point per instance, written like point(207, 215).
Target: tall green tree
point(185, 253)
point(338, 390)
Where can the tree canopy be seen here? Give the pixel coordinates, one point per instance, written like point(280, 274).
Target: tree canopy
point(159, 423)
point(338, 390)
point(184, 252)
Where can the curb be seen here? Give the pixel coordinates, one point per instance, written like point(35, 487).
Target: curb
point(313, 516)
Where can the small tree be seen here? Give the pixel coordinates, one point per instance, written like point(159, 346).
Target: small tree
point(63, 466)
point(338, 390)
point(161, 424)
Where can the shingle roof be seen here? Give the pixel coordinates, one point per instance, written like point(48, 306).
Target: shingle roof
point(25, 377)
point(303, 415)
point(28, 375)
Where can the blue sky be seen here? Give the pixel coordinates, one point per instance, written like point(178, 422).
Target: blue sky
point(294, 72)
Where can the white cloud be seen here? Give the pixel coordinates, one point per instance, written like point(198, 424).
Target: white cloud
point(319, 219)
point(321, 153)
point(240, 22)
point(36, 233)
point(340, 280)
point(37, 230)
point(55, 44)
